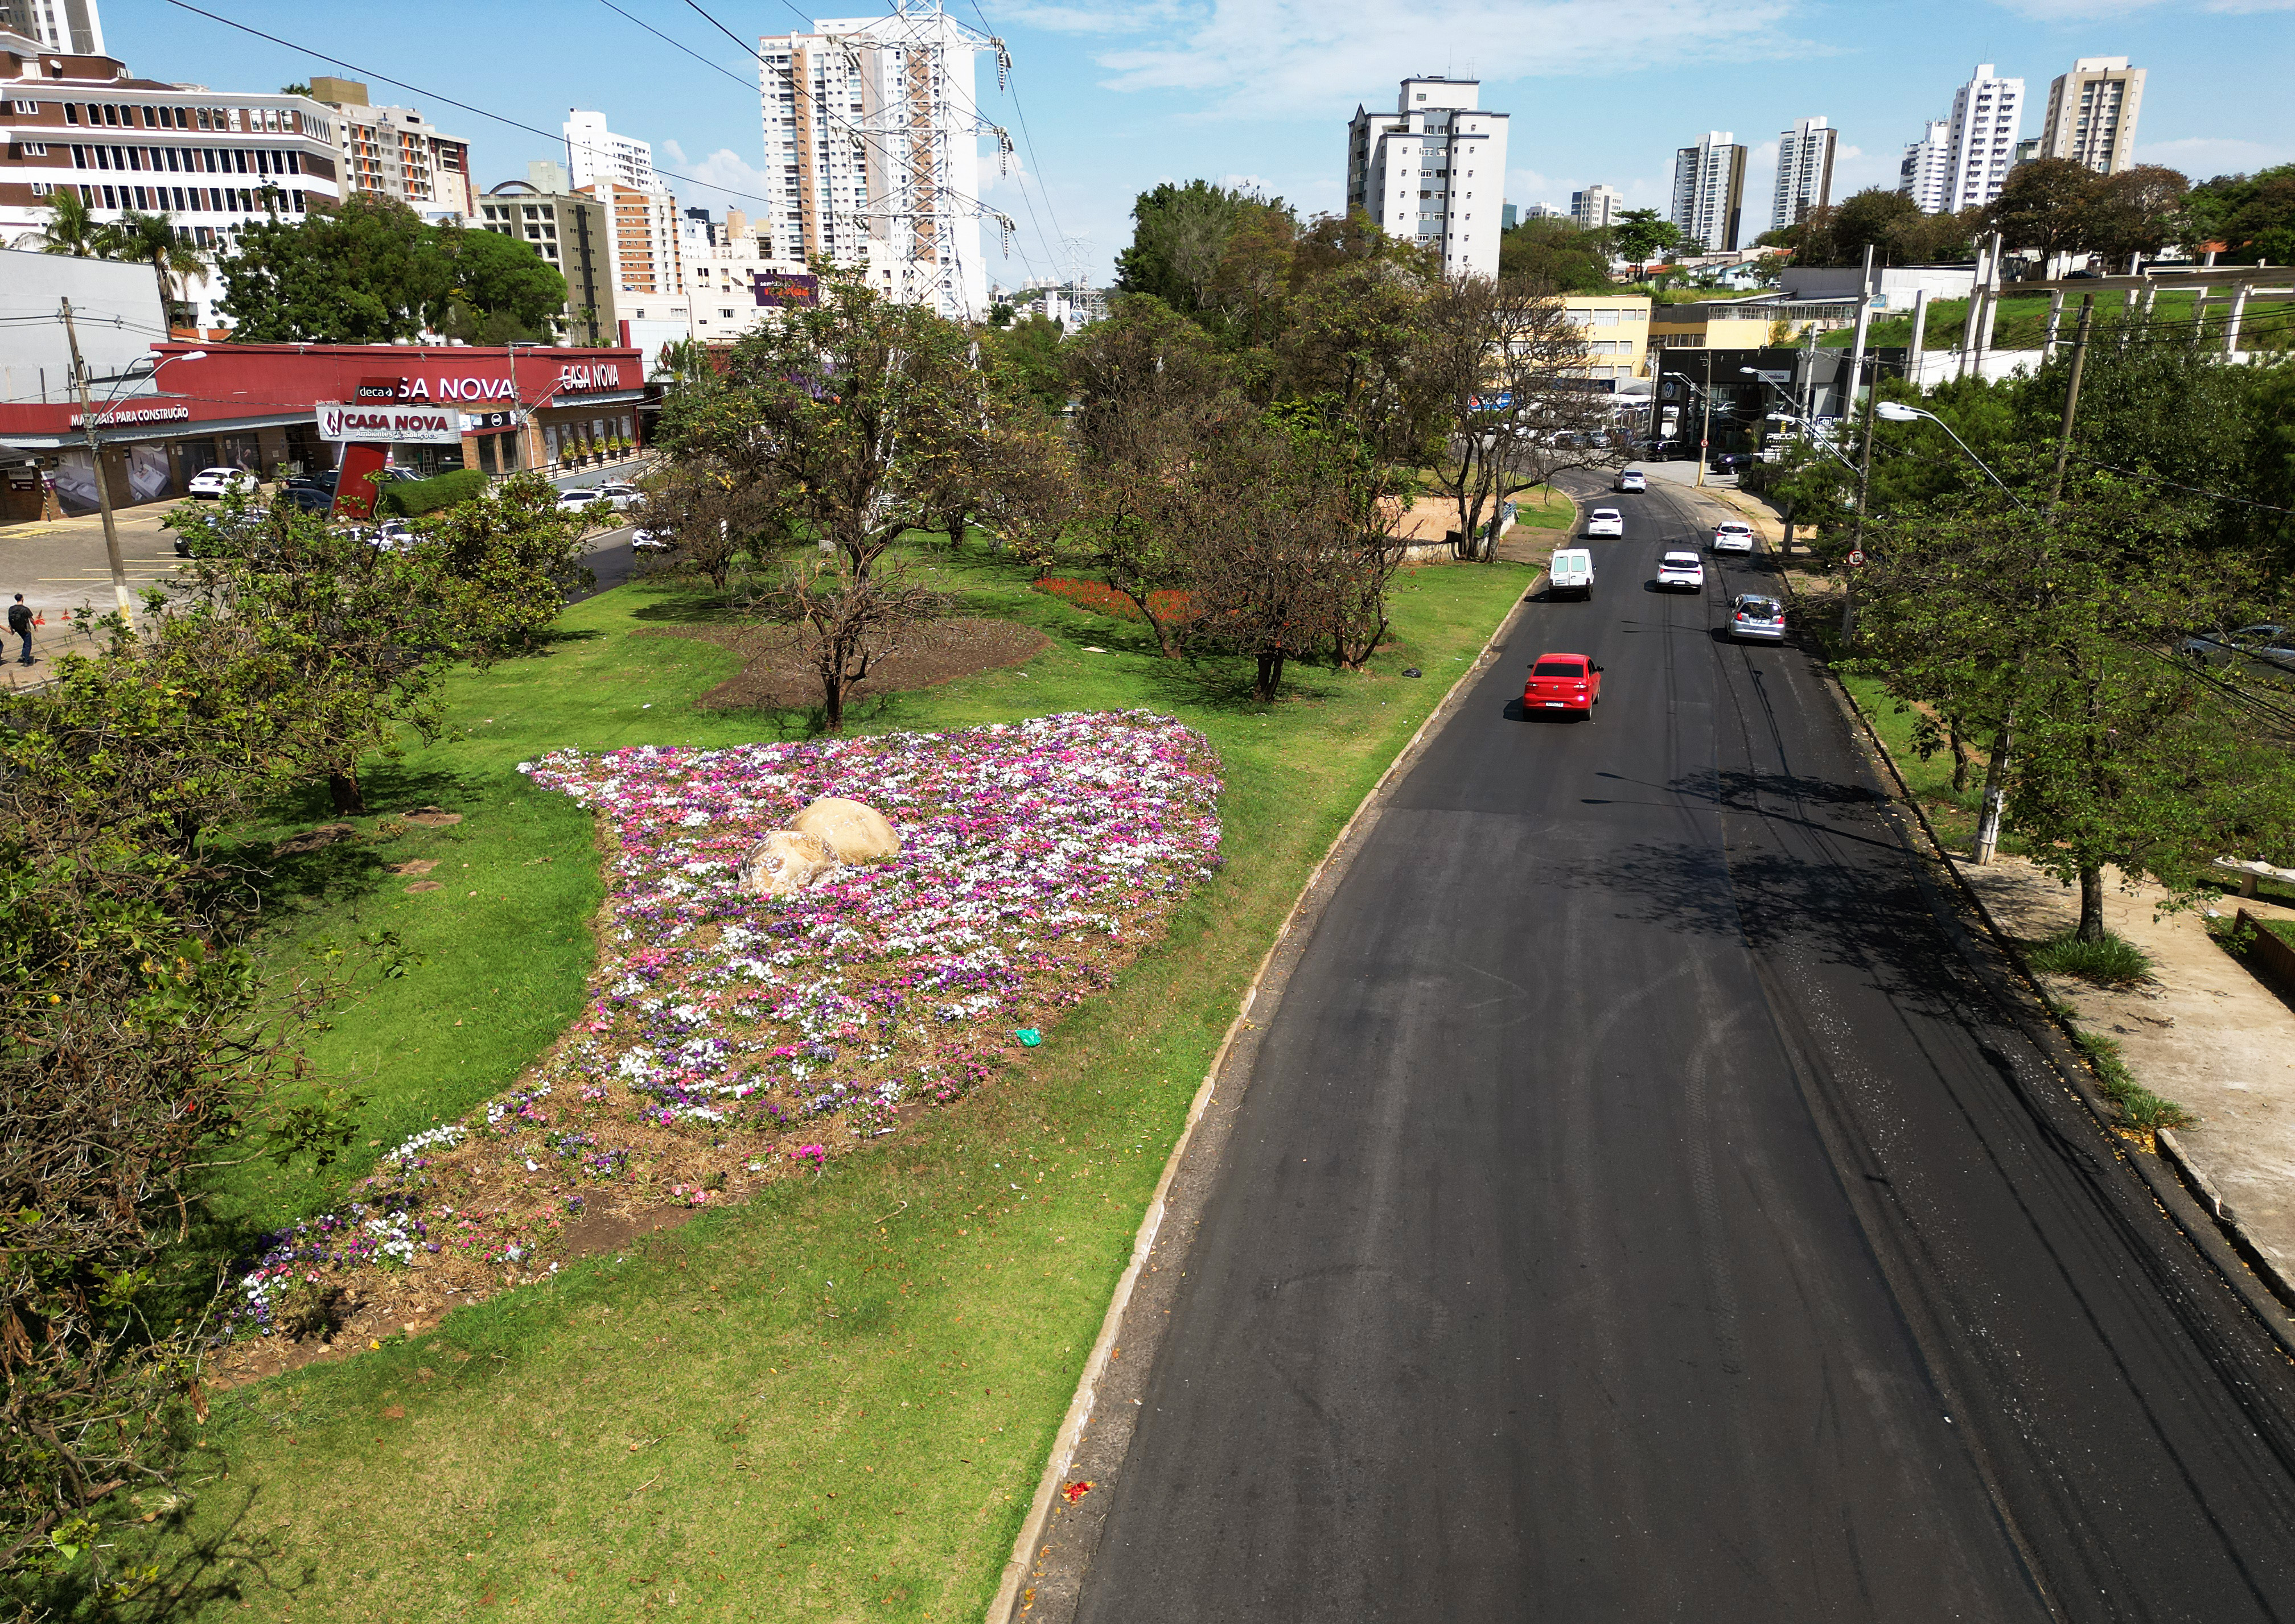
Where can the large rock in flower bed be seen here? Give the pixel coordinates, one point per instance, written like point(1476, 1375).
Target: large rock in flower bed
point(855, 832)
point(785, 862)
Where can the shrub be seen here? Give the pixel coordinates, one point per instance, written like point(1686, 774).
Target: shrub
point(410, 497)
point(2114, 962)
point(2139, 1108)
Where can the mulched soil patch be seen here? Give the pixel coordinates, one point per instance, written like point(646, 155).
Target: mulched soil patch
point(777, 677)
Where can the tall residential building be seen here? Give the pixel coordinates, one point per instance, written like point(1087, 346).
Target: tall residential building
point(1987, 115)
point(571, 231)
point(2092, 114)
point(594, 153)
point(1596, 207)
point(1926, 173)
point(1804, 171)
point(70, 27)
point(214, 160)
point(645, 250)
point(1416, 172)
point(1709, 191)
point(872, 133)
point(391, 152)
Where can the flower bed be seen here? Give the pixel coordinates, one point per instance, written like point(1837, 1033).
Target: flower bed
point(1173, 609)
point(731, 1039)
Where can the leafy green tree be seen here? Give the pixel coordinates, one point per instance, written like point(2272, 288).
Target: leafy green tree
point(1556, 252)
point(1640, 236)
point(497, 279)
point(714, 517)
point(2139, 210)
point(491, 575)
point(2252, 216)
point(367, 272)
point(2044, 206)
point(1028, 351)
point(1179, 238)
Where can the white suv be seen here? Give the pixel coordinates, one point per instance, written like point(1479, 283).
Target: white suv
point(1681, 569)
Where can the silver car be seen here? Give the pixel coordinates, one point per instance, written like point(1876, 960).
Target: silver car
point(2269, 644)
point(1750, 614)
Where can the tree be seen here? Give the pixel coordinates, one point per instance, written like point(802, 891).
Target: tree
point(714, 517)
point(499, 282)
point(2042, 205)
point(1180, 237)
point(1508, 364)
point(851, 621)
point(1556, 252)
point(1640, 236)
point(365, 271)
point(153, 239)
point(496, 571)
point(1028, 352)
point(2138, 210)
point(69, 229)
point(2252, 216)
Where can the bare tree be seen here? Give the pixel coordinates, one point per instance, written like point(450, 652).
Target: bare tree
point(1273, 543)
point(1508, 366)
point(851, 621)
point(714, 514)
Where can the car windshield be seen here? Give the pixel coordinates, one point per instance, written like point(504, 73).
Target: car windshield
point(1681, 561)
point(1760, 608)
point(1558, 668)
point(1605, 513)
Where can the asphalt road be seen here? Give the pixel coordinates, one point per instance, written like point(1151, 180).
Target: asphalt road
point(1640, 1212)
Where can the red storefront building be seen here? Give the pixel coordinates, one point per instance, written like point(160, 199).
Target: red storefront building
point(259, 406)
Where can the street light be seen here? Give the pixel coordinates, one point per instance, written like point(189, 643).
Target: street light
point(1898, 412)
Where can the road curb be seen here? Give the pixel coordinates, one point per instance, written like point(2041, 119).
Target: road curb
point(2211, 1227)
point(1013, 1596)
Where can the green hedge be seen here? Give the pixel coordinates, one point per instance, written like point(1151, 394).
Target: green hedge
point(409, 497)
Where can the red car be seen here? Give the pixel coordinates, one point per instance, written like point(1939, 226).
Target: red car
point(1570, 684)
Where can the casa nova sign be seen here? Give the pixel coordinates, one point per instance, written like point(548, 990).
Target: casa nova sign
point(395, 425)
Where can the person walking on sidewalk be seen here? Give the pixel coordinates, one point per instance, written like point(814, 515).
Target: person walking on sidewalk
point(19, 621)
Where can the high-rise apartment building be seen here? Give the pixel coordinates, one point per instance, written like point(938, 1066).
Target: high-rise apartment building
point(571, 231)
point(594, 153)
point(1709, 191)
point(70, 27)
point(872, 133)
point(645, 248)
point(2092, 114)
point(1596, 207)
point(1987, 115)
point(1925, 175)
point(391, 152)
point(1433, 172)
point(214, 161)
point(1804, 171)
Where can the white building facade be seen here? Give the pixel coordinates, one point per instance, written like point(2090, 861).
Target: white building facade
point(1987, 116)
point(391, 152)
point(1596, 207)
point(70, 27)
point(595, 154)
point(872, 134)
point(1804, 171)
point(1925, 175)
point(2092, 114)
point(1433, 172)
point(1709, 191)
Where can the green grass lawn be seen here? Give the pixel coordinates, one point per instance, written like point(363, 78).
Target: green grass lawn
point(1952, 812)
point(1543, 507)
point(832, 1401)
point(2023, 322)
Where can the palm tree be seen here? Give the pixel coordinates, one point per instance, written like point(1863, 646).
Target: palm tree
point(70, 229)
point(152, 239)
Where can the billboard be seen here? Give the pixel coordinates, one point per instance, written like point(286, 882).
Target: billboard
point(384, 425)
point(782, 287)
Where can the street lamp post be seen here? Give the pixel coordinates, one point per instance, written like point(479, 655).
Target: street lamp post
point(95, 461)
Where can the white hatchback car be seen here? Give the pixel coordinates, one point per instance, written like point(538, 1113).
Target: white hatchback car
point(1632, 479)
point(1606, 521)
point(1681, 569)
point(620, 497)
point(211, 482)
point(584, 500)
point(1733, 536)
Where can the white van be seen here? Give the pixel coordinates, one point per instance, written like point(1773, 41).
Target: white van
point(1571, 574)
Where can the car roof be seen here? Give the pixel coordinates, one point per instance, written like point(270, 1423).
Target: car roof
point(1733, 524)
point(1561, 655)
point(1681, 558)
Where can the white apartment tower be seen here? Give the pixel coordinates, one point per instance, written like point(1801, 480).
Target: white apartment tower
point(1925, 175)
point(2092, 114)
point(1987, 115)
point(872, 133)
point(1597, 207)
point(70, 27)
point(594, 153)
point(1433, 172)
point(1804, 171)
point(391, 152)
point(1709, 191)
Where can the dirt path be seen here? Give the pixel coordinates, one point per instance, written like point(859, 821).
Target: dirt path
point(2204, 1034)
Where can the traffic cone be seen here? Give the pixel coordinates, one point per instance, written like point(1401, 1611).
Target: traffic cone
point(39, 620)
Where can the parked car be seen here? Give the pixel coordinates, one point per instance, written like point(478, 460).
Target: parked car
point(1682, 570)
point(1729, 462)
point(650, 541)
point(1754, 616)
point(620, 497)
point(314, 482)
point(1632, 479)
point(211, 484)
point(1606, 521)
point(2272, 644)
point(584, 500)
point(308, 498)
point(1733, 536)
point(1570, 684)
point(1570, 574)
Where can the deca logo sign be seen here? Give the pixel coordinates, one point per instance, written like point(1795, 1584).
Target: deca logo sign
point(389, 425)
point(375, 390)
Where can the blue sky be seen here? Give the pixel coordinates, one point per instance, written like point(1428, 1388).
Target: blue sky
point(1117, 96)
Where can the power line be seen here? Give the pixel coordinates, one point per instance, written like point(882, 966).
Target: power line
point(1021, 112)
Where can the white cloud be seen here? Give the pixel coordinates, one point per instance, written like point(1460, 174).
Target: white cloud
point(1278, 57)
point(723, 179)
point(2201, 157)
point(2084, 11)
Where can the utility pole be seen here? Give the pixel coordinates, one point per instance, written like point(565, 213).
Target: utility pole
point(1706, 424)
point(1996, 770)
point(1864, 491)
point(102, 485)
